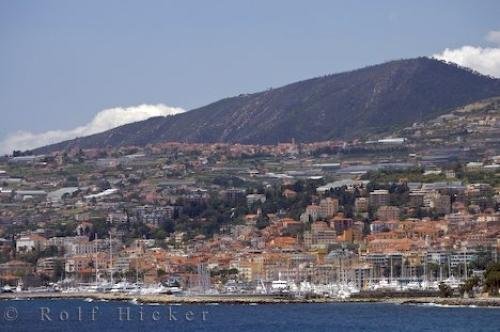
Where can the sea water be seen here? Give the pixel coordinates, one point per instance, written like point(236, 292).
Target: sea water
point(81, 315)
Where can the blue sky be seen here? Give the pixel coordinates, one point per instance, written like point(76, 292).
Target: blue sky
point(62, 62)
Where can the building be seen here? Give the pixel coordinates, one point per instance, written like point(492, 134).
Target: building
point(117, 217)
point(435, 200)
point(328, 207)
point(416, 198)
point(341, 224)
point(323, 237)
point(462, 257)
point(319, 226)
point(233, 195)
point(255, 198)
point(386, 213)
point(121, 264)
point(31, 195)
point(15, 269)
point(391, 245)
point(77, 264)
point(361, 205)
point(49, 265)
point(380, 226)
point(379, 198)
point(311, 214)
point(30, 242)
point(149, 214)
point(59, 195)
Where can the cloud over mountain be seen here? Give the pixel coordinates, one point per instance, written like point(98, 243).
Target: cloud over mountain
point(102, 121)
point(485, 60)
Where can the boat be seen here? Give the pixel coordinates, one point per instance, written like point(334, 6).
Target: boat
point(7, 289)
point(121, 287)
point(283, 286)
point(453, 282)
point(279, 286)
point(305, 287)
point(346, 290)
point(430, 285)
point(413, 285)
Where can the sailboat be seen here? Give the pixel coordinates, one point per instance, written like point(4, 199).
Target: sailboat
point(345, 289)
point(393, 283)
point(19, 287)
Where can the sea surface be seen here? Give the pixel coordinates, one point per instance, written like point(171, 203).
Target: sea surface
point(88, 315)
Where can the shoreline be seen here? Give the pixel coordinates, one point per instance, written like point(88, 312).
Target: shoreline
point(254, 299)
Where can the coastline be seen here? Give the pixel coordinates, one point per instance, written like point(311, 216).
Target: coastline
point(255, 299)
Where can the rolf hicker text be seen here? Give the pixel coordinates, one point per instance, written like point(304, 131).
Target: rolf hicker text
point(125, 313)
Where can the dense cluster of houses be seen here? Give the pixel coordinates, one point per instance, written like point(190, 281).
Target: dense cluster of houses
point(161, 212)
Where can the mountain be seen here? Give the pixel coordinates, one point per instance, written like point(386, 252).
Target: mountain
point(371, 100)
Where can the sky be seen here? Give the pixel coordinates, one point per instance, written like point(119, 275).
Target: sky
point(71, 68)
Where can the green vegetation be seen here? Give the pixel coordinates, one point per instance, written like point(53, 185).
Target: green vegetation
point(492, 279)
point(62, 228)
point(445, 290)
point(34, 255)
point(409, 175)
point(469, 285)
point(224, 274)
point(491, 178)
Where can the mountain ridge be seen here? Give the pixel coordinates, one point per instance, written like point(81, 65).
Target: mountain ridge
point(366, 101)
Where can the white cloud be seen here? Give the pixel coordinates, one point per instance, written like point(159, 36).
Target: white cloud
point(485, 60)
point(102, 121)
point(493, 37)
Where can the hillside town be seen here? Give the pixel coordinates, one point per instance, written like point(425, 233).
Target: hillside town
point(332, 218)
point(250, 165)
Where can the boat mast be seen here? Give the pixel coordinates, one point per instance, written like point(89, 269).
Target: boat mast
point(402, 268)
point(137, 270)
point(450, 272)
point(96, 263)
point(465, 262)
point(425, 267)
point(390, 281)
point(440, 269)
point(110, 258)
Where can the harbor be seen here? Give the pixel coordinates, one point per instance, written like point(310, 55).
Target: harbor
point(251, 299)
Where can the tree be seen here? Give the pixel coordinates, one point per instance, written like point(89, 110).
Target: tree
point(445, 290)
point(160, 234)
point(58, 269)
point(101, 228)
point(469, 285)
point(71, 181)
point(366, 228)
point(168, 226)
point(492, 279)
point(262, 222)
point(481, 261)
